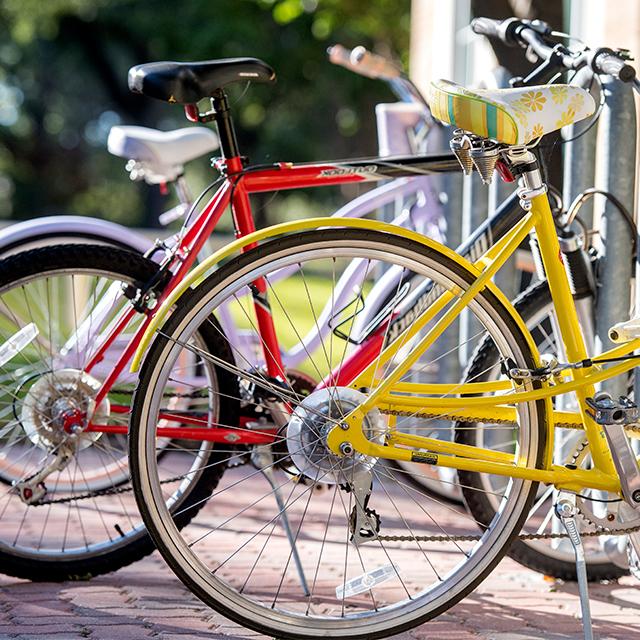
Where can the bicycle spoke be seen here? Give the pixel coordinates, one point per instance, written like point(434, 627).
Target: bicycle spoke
point(375, 541)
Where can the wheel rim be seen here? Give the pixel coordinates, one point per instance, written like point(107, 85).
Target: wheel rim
point(210, 571)
point(74, 521)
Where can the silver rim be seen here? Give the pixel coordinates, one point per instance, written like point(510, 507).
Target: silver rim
point(71, 308)
point(234, 556)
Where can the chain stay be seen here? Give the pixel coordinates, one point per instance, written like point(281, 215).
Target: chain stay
point(385, 538)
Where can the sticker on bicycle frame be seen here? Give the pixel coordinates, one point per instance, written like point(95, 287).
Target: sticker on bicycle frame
point(424, 457)
point(348, 171)
point(366, 581)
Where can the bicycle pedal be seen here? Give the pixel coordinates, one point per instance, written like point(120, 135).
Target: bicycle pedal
point(613, 415)
point(605, 410)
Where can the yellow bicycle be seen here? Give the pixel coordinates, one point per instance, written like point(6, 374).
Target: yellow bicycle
point(368, 553)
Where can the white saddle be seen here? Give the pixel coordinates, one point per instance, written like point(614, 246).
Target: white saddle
point(161, 154)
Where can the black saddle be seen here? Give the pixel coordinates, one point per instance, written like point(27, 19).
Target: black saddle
point(189, 82)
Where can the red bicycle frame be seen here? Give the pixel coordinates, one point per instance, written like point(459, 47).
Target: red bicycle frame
point(239, 183)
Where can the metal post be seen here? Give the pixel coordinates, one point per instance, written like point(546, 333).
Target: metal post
point(616, 173)
point(579, 155)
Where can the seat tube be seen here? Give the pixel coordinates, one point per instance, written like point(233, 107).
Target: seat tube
point(244, 225)
point(534, 196)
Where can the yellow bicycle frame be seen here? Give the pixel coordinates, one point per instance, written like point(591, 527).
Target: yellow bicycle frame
point(443, 399)
point(390, 393)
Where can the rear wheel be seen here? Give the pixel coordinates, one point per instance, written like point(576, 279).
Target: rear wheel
point(369, 554)
point(66, 504)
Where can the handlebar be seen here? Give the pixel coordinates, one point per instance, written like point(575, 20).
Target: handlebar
point(496, 29)
point(608, 62)
point(371, 65)
point(536, 35)
point(364, 62)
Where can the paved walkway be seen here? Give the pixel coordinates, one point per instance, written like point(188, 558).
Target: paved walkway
point(146, 601)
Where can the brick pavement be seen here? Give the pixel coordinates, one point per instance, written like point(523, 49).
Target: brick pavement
point(146, 601)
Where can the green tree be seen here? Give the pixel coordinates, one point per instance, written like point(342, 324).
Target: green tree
point(63, 69)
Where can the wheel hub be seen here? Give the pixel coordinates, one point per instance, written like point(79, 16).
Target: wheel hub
point(57, 405)
point(309, 426)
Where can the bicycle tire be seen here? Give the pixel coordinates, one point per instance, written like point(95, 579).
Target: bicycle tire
point(20, 557)
point(180, 553)
point(541, 556)
point(42, 240)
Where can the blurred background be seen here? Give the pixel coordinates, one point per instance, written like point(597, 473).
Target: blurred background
point(63, 84)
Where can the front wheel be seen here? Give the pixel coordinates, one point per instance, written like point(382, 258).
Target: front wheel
point(298, 542)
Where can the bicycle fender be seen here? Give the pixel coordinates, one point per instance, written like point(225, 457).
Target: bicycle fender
point(199, 273)
point(13, 236)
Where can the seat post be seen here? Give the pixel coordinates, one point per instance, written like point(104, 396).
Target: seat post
point(226, 132)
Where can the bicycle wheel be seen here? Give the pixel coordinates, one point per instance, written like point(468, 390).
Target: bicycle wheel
point(66, 505)
point(554, 557)
point(270, 550)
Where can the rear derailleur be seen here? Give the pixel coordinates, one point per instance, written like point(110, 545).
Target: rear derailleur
point(33, 489)
point(364, 523)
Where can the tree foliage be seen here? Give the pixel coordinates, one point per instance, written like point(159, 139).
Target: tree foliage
point(63, 70)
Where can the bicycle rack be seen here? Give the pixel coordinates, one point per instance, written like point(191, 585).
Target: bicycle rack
point(616, 162)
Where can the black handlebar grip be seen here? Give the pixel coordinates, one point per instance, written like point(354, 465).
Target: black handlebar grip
point(610, 64)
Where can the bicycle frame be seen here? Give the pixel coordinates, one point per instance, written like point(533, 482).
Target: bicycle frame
point(235, 191)
point(385, 393)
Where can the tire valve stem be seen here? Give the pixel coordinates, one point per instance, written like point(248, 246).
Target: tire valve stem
point(119, 530)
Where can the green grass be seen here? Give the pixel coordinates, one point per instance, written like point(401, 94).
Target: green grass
point(294, 315)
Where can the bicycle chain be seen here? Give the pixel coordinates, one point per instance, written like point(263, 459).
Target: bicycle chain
point(193, 394)
point(384, 538)
point(522, 536)
point(99, 493)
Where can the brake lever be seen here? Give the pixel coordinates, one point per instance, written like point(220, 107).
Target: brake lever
point(541, 27)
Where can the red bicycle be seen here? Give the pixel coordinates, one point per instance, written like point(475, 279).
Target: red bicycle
point(66, 394)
